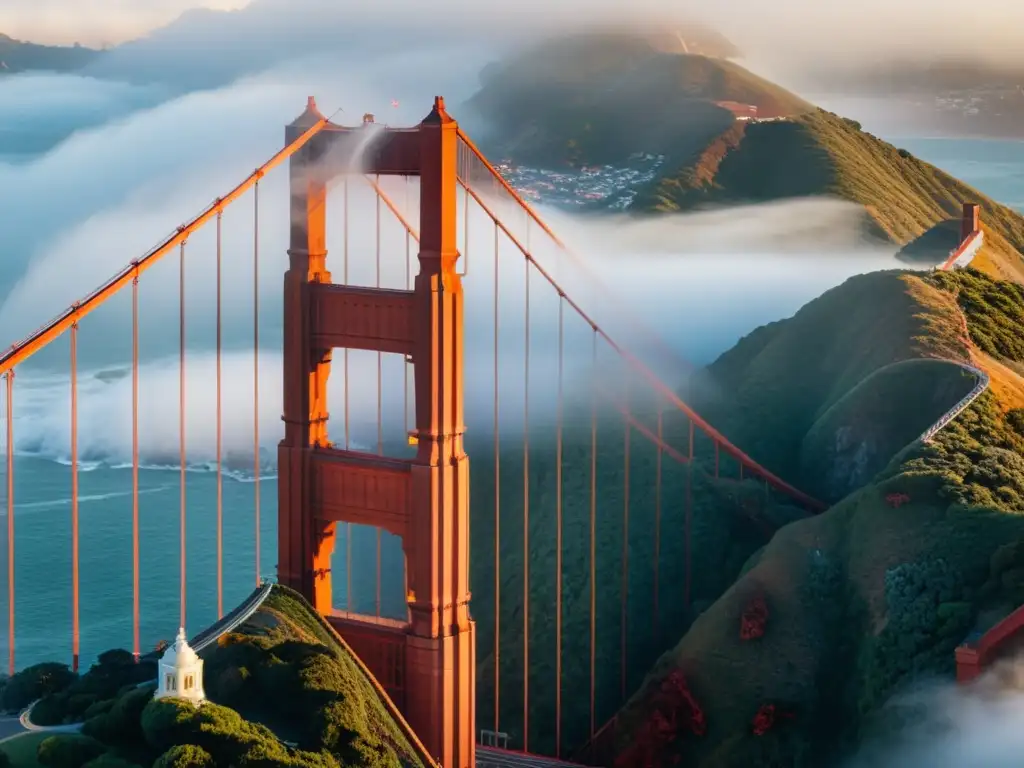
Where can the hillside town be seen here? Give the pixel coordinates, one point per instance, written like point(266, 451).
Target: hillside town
point(608, 187)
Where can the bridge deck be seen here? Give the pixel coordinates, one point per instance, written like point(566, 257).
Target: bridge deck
point(492, 757)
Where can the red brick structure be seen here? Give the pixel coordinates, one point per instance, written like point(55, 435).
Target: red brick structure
point(970, 222)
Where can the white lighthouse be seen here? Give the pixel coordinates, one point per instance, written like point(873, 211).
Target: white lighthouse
point(181, 672)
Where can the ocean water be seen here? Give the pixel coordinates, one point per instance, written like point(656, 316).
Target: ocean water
point(78, 211)
point(993, 166)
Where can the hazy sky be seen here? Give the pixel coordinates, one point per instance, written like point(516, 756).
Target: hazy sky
point(94, 22)
point(860, 30)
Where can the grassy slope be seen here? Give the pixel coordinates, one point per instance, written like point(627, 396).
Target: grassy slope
point(569, 99)
point(21, 56)
point(285, 616)
point(865, 596)
point(828, 396)
point(819, 153)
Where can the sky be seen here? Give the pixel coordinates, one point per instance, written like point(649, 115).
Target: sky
point(94, 22)
point(803, 29)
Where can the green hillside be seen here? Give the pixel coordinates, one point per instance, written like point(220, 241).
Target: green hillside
point(870, 595)
point(283, 693)
point(819, 153)
point(821, 398)
point(18, 56)
point(598, 98)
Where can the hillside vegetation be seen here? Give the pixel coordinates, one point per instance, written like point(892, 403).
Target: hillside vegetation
point(599, 98)
point(827, 397)
point(876, 592)
point(18, 56)
point(819, 153)
point(282, 676)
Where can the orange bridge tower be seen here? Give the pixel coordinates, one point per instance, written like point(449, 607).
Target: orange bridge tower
point(428, 664)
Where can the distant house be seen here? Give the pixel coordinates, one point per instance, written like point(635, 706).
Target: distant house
point(740, 111)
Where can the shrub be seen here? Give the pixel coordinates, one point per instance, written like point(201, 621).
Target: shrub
point(108, 760)
point(50, 709)
point(68, 750)
point(185, 756)
point(116, 657)
point(122, 724)
point(222, 732)
point(35, 682)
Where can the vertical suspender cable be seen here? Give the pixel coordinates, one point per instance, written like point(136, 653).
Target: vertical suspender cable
point(558, 532)
point(256, 367)
point(220, 438)
point(75, 630)
point(135, 467)
point(716, 458)
point(688, 523)
point(380, 385)
point(526, 510)
point(623, 619)
point(497, 506)
point(10, 521)
point(348, 526)
point(405, 368)
point(181, 422)
point(657, 520)
point(593, 534)
point(408, 277)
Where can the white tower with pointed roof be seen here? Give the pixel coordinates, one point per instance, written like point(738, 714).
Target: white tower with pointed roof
point(181, 672)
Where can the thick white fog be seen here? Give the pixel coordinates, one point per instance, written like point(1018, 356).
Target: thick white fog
point(106, 195)
point(943, 724)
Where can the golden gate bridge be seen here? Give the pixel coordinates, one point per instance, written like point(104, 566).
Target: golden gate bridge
point(426, 665)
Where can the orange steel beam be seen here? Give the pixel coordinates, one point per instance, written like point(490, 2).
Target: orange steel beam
point(642, 428)
point(651, 377)
point(382, 195)
point(23, 350)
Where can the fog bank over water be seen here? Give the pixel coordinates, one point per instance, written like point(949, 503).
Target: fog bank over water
point(694, 283)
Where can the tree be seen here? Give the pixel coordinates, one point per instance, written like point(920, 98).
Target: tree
point(185, 756)
point(35, 682)
point(69, 751)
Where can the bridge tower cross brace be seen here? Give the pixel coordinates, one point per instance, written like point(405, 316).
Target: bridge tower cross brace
point(432, 489)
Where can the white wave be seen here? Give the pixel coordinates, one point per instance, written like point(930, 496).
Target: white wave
point(82, 498)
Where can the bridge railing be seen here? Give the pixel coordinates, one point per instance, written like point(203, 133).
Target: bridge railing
point(964, 253)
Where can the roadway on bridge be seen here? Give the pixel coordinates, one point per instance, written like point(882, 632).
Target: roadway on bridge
point(488, 757)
